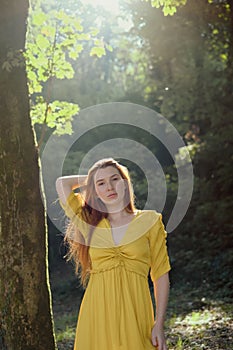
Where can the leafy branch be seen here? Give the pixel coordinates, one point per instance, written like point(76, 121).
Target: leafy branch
point(169, 6)
point(54, 42)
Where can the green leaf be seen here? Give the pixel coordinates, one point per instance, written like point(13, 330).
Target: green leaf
point(43, 75)
point(97, 51)
point(94, 31)
point(109, 47)
point(223, 57)
point(32, 75)
point(78, 48)
point(38, 113)
point(83, 36)
point(73, 54)
point(78, 26)
point(49, 31)
point(61, 116)
point(166, 11)
point(169, 6)
point(42, 42)
point(39, 18)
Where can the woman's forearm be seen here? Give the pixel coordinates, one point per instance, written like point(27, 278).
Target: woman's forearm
point(161, 291)
point(65, 184)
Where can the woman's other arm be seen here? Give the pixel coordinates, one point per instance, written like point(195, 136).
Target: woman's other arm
point(65, 184)
point(161, 291)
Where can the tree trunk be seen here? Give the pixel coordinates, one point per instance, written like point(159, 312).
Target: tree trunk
point(25, 302)
point(230, 53)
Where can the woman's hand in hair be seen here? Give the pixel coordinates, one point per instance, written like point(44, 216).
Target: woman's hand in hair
point(65, 184)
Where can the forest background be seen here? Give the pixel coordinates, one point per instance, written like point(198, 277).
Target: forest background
point(178, 61)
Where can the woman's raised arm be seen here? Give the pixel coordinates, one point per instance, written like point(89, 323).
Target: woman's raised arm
point(65, 184)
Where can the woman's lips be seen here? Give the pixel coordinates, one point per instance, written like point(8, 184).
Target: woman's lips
point(112, 195)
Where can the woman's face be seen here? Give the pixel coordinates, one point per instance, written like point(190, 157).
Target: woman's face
point(109, 186)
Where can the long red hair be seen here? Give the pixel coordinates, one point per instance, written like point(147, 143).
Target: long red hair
point(93, 211)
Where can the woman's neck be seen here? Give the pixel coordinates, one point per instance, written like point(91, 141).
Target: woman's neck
point(117, 216)
point(120, 218)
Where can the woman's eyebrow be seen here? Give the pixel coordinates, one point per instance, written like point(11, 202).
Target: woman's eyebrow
point(99, 180)
point(105, 178)
point(115, 174)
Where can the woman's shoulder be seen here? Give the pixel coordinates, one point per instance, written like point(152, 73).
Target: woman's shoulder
point(148, 213)
point(147, 219)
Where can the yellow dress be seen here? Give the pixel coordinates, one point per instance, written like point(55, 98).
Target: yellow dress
point(116, 311)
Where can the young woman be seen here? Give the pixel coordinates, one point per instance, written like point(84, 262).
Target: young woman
point(116, 247)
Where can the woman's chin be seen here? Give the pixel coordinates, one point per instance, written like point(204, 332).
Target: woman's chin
point(114, 206)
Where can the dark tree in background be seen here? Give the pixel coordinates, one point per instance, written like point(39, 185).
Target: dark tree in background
point(25, 304)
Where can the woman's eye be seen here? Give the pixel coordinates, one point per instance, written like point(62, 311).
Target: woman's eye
point(115, 178)
point(100, 183)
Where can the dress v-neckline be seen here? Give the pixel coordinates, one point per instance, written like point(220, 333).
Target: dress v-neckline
point(121, 242)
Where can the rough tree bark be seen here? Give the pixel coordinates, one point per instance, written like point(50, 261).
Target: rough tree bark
point(25, 302)
point(230, 53)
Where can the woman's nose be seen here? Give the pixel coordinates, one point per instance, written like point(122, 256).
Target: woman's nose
point(109, 185)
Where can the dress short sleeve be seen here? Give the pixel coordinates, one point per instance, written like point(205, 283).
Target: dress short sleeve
point(159, 256)
point(73, 210)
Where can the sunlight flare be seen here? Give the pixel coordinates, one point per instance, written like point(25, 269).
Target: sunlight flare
point(109, 5)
